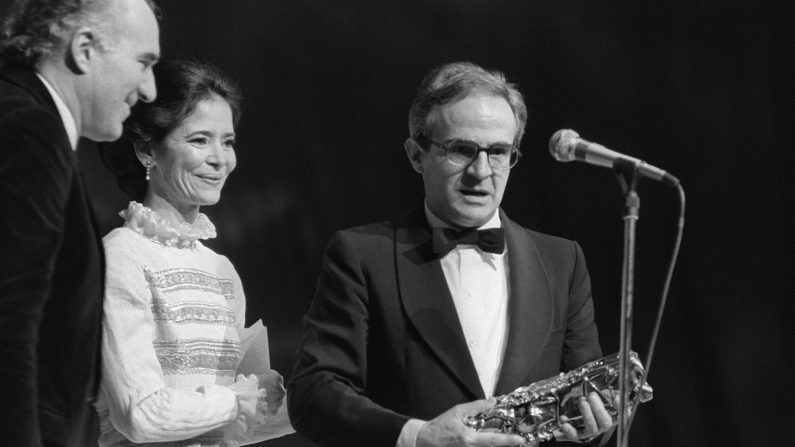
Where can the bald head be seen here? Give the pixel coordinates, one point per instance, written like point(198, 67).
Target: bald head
point(41, 29)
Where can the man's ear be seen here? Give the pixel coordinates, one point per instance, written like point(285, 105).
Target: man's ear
point(82, 49)
point(414, 152)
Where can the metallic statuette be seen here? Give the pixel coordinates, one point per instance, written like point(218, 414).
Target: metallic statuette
point(534, 411)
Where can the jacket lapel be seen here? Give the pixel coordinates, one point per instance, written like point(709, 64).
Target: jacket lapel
point(427, 301)
point(529, 308)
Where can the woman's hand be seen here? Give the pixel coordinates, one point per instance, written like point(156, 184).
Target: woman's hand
point(249, 395)
point(273, 384)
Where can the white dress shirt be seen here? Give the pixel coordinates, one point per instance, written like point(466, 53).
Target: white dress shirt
point(478, 283)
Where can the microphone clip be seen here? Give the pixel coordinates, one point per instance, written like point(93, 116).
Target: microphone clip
point(628, 176)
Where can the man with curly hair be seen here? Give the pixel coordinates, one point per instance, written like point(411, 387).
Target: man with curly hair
point(68, 69)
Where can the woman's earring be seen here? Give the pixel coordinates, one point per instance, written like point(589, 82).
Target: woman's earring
point(148, 167)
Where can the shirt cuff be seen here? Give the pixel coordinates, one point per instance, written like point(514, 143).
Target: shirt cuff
point(408, 435)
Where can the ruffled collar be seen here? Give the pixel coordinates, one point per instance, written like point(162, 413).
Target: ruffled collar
point(155, 227)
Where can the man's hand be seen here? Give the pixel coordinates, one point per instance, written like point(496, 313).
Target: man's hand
point(595, 418)
point(448, 429)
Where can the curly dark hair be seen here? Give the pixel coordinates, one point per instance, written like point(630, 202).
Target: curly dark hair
point(181, 85)
point(36, 29)
point(451, 82)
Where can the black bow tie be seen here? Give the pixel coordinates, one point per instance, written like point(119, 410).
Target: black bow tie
point(446, 239)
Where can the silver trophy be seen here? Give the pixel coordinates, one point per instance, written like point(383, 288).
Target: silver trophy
point(534, 411)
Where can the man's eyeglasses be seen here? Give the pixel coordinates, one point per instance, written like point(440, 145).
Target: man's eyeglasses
point(463, 152)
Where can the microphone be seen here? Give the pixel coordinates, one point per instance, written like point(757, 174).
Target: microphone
point(566, 145)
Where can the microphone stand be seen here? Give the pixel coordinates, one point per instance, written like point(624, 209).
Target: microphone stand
point(627, 173)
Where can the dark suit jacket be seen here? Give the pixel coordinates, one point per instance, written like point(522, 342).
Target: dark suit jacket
point(382, 342)
point(51, 274)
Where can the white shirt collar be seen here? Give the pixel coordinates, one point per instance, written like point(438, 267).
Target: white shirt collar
point(66, 115)
point(435, 222)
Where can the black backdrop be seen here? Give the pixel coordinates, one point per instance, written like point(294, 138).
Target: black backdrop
point(696, 87)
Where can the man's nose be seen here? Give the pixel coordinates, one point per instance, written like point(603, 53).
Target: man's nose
point(480, 167)
point(147, 91)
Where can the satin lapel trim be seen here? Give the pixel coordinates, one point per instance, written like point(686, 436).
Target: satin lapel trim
point(429, 305)
point(529, 308)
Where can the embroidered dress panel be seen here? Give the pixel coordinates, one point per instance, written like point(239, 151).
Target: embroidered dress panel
point(179, 310)
point(191, 313)
point(176, 279)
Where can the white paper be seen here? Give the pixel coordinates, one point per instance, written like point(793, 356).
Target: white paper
point(256, 360)
point(256, 353)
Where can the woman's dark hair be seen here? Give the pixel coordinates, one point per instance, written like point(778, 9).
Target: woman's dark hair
point(181, 85)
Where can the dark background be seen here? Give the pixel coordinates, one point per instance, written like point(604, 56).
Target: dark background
point(699, 88)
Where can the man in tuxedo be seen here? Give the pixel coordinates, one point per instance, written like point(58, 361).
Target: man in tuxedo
point(417, 322)
point(68, 69)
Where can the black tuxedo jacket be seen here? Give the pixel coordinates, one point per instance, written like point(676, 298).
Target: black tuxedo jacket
point(382, 342)
point(51, 274)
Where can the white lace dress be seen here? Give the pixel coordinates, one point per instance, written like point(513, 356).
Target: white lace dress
point(174, 312)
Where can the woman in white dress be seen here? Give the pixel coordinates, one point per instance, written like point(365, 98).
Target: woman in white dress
point(175, 309)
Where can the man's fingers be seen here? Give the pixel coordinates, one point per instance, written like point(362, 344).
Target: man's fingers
point(567, 432)
point(475, 407)
point(449, 429)
point(601, 415)
point(482, 439)
point(588, 419)
point(617, 405)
